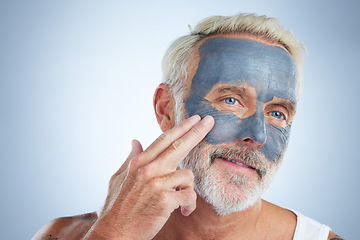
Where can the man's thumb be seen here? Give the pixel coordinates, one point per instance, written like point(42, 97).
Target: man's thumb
point(136, 148)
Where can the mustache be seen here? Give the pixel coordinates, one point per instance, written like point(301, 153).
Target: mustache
point(249, 156)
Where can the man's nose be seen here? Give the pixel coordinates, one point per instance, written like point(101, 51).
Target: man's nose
point(253, 131)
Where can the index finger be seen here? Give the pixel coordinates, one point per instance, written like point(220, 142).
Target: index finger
point(180, 148)
point(166, 139)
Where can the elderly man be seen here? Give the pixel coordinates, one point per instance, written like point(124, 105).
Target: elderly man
point(225, 106)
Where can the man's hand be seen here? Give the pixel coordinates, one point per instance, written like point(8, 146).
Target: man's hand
point(148, 187)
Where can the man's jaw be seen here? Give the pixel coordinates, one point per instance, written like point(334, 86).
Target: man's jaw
point(218, 181)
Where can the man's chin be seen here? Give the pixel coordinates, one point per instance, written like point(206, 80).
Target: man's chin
point(227, 206)
point(228, 197)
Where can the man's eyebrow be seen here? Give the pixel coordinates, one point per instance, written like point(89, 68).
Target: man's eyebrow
point(285, 102)
point(236, 89)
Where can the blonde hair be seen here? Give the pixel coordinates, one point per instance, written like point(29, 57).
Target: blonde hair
point(180, 55)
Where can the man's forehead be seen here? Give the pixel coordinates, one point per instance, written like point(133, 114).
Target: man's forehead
point(245, 61)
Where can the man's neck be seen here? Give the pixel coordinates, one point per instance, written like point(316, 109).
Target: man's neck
point(204, 223)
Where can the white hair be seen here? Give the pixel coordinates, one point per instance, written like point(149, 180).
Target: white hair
point(180, 55)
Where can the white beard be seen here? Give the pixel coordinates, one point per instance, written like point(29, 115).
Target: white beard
point(227, 191)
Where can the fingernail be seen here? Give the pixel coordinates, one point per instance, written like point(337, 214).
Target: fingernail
point(195, 118)
point(207, 119)
point(184, 211)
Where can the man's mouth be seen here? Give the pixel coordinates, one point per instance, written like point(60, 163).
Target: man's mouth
point(246, 158)
point(238, 162)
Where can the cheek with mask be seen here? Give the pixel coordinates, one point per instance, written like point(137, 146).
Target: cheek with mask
point(230, 129)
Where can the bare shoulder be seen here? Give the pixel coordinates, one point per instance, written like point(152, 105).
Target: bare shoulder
point(333, 236)
point(74, 227)
point(279, 221)
point(285, 217)
point(279, 213)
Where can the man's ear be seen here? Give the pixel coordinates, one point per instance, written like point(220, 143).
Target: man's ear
point(164, 106)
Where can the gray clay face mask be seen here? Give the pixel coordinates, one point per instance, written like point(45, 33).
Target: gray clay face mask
point(268, 71)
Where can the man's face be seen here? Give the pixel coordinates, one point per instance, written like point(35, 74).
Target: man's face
point(249, 87)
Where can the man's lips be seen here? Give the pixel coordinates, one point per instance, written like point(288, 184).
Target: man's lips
point(238, 162)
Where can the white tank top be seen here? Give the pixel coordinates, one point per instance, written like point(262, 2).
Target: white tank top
point(309, 229)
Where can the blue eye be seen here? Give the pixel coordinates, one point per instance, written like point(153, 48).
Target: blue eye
point(230, 100)
point(277, 114)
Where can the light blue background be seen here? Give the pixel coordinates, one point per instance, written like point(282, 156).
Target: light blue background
point(76, 85)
